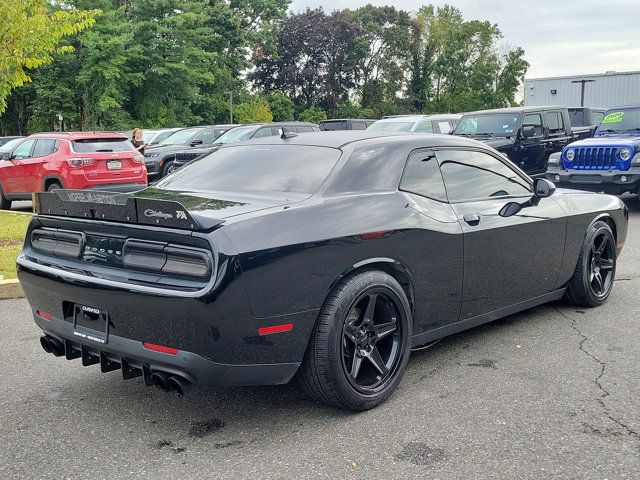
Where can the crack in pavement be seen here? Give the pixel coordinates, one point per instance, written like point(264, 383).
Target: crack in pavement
point(605, 393)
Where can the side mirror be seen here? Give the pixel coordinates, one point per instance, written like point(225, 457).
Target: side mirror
point(196, 142)
point(543, 188)
point(528, 131)
point(6, 155)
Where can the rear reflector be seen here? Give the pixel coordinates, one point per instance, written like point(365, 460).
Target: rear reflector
point(160, 348)
point(285, 327)
point(44, 315)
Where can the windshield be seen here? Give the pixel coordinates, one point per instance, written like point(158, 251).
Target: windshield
point(616, 121)
point(11, 144)
point(499, 125)
point(147, 135)
point(391, 126)
point(236, 134)
point(256, 168)
point(181, 137)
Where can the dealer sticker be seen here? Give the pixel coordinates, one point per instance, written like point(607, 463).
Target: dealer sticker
point(615, 117)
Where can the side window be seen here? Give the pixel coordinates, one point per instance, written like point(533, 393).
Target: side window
point(555, 123)
point(422, 176)
point(358, 126)
point(263, 132)
point(445, 127)
point(470, 175)
point(425, 127)
point(207, 136)
point(534, 120)
point(24, 150)
point(304, 129)
point(44, 147)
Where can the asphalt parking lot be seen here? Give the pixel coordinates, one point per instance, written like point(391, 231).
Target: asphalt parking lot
point(553, 392)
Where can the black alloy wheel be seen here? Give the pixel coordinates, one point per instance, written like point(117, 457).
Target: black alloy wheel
point(601, 263)
point(361, 342)
point(595, 271)
point(371, 338)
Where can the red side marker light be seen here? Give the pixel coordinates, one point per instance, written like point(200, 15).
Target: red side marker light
point(44, 315)
point(160, 348)
point(285, 327)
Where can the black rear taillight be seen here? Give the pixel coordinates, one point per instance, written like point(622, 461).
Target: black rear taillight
point(58, 242)
point(169, 259)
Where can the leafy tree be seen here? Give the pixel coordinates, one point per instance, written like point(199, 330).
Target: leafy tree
point(31, 34)
point(313, 115)
point(257, 111)
point(350, 110)
point(281, 106)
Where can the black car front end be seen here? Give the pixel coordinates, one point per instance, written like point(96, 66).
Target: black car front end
point(167, 304)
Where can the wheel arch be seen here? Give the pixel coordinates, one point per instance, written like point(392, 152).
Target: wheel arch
point(609, 220)
point(390, 266)
point(49, 179)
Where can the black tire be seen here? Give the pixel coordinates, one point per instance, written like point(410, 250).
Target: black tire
point(348, 323)
point(5, 204)
point(594, 275)
point(167, 168)
point(54, 186)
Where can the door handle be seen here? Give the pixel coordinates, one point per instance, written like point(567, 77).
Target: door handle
point(472, 218)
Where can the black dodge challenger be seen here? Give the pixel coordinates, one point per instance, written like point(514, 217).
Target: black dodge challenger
point(329, 256)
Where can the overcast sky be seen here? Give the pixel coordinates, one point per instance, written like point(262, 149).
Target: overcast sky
point(559, 37)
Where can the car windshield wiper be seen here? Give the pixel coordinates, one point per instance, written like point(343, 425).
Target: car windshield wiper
point(486, 134)
point(611, 130)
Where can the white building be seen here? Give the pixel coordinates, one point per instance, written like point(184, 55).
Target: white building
point(601, 90)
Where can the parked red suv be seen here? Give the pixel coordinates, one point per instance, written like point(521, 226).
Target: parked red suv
point(82, 160)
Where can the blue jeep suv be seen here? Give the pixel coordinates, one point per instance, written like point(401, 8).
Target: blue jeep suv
point(607, 162)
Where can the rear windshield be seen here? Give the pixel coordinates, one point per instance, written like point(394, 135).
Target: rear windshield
point(95, 145)
point(256, 168)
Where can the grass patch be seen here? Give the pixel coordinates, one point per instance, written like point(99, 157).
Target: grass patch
point(12, 229)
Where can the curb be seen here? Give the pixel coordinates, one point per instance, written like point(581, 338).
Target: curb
point(10, 289)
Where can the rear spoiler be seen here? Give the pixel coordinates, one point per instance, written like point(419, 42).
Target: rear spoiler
point(120, 207)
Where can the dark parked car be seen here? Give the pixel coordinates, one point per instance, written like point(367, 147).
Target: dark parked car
point(152, 137)
point(4, 140)
point(609, 162)
point(526, 135)
point(439, 123)
point(244, 132)
point(345, 124)
point(159, 159)
point(329, 255)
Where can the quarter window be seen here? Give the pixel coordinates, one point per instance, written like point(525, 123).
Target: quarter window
point(471, 175)
point(422, 176)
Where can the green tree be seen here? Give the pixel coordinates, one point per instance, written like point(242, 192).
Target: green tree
point(281, 106)
point(31, 35)
point(313, 115)
point(350, 110)
point(256, 111)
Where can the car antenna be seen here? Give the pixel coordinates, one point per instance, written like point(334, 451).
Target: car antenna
point(286, 133)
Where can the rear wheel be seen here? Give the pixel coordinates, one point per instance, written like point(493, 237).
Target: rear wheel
point(5, 204)
point(361, 343)
point(54, 186)
point(594, 275)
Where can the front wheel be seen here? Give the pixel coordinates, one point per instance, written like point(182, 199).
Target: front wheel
point(594, 275)
point(360, 346)
point(168, 168)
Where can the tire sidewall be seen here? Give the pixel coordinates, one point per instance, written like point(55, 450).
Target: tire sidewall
point(355, 287)
point(596, 229)
point(165, 168)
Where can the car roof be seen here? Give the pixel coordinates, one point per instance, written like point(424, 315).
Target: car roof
point(348, 120)
point(341, 138)
point(515, 110)
point(420, 117)
point(78, 135)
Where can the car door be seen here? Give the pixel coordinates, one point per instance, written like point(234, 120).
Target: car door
point(13, 173)
point(35, 166)
point(507, 259)
point(533, 148)
point(435, 244)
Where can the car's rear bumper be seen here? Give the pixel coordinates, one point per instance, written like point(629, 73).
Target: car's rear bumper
point(613, 182)
point(135, 360)
point(118, 187)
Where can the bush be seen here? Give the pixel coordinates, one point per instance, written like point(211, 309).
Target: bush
point(313, 115)
point(256, 111)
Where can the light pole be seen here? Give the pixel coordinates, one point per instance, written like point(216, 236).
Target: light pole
point(583, 82)
point(231, 108)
